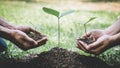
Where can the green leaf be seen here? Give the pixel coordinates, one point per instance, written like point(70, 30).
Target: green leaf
point(51, 11)
point(66, 13)
point(92, 18)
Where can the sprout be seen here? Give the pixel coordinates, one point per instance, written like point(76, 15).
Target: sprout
point(58, 15)
point(92, 18)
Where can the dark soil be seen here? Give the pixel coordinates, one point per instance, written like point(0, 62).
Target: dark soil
point(55, 58)
point(87, 40)
point(42, 39)
point(35, 36)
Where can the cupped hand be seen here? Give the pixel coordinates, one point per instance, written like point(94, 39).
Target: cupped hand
point(95, 34)
point(100, 45)
point(23, 41)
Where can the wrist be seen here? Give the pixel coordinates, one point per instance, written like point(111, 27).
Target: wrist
point(108, 32)
point(5, 32)
point(115, 39)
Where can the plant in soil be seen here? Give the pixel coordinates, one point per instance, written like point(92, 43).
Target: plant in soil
point(87, 40)
point(58, 15)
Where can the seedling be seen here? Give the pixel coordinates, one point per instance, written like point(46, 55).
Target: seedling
point(85, 24)
point(58, 15)
point(87, 40)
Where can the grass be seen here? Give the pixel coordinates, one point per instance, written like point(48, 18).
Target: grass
point(21, 13)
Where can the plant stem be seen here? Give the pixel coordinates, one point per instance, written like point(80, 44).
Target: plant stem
point(58, 31)
point(86, 31)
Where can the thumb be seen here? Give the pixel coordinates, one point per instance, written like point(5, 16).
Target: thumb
point(86, 35)
point(42, 41)
point(30, 40)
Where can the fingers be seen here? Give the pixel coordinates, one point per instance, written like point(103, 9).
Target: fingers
point(30, 40)
point(82, 45)
point(34, 31)
point(100, 49)
point(27, 29)
point(99, 45)
point(92, 48)
point(94, 45)
point(86, 35)
point(92, 37)
point(42, 41)
point(25, 41)
point(22, 40)
point(79, 45)
point(28, 43)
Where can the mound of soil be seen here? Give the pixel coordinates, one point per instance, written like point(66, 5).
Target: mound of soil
point(55, 58)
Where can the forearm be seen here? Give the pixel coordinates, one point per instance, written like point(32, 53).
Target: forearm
point(114, 28)
point(5, 32)
point(5, 24)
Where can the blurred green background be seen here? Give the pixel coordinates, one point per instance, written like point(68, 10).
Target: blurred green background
point(66, 0)
point(22, 12)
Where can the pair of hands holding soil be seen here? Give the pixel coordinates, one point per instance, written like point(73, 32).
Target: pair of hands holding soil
point(101, 42)
point(24, 38)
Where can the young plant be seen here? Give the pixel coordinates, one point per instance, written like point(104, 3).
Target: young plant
point(92, 18)
point(58, 15)
point(87, 40)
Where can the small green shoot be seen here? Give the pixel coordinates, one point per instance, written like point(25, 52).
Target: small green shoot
point(58, 15)
point(92, 18)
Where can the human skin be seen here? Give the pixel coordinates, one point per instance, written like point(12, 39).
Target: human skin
point(18, 35)
point(104, 39)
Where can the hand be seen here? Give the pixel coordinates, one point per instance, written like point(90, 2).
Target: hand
point(26, 29)
point(23, 41)
point(95, 34)
point(100, 45)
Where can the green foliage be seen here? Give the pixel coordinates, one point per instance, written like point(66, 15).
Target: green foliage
point(56, 13)
point(51, 11)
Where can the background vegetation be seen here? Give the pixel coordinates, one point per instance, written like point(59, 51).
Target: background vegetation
point(66, 0)
point(22, 13)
